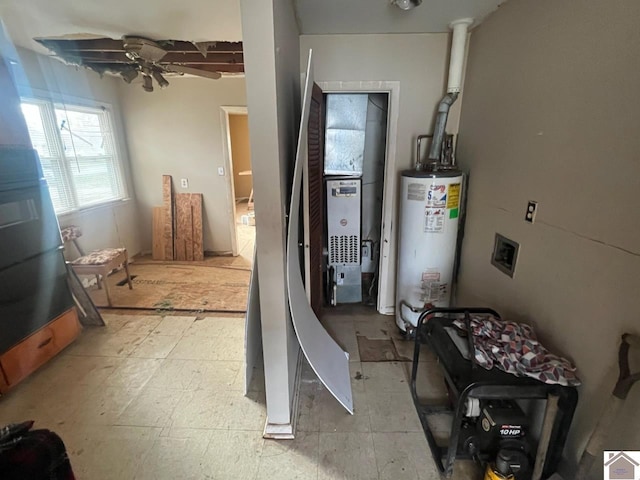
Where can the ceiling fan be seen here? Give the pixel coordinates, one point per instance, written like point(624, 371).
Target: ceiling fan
point(146, 56)
point(134, 57)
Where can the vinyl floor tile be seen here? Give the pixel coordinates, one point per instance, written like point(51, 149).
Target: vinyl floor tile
point(290, 459)
point(346, 456)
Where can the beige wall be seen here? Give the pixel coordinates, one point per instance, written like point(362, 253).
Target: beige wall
point(115, 224)
point(419, 62)
point(551, 113)
point(177, 131)
point(241, 154)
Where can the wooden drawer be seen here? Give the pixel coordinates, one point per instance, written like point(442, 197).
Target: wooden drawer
point(35, 350)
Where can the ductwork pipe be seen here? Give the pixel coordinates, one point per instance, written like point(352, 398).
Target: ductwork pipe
point(458, 45)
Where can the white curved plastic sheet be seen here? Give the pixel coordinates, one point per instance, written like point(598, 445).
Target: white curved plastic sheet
point(325, 356)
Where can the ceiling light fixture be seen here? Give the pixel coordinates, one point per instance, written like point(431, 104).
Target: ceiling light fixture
point(162, 82)
point(147, 83)
point(129, 75)
point(406, 4)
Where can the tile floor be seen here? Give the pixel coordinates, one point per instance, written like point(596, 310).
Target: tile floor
point(148, 397)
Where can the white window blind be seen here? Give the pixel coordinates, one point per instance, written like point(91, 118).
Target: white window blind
point(77, 151)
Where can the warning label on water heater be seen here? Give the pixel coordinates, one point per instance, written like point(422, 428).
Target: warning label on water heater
point(432, 289)
point(437, 195)
point(434, 219)
point(453, 197)
point(416, 191)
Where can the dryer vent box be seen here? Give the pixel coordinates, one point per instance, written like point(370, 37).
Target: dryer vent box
point(505, 254)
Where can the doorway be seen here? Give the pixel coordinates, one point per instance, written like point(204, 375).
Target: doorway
point(376, 187)
point(240, 181)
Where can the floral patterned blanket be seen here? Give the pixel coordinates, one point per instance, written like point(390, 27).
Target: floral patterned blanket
point(513, 347)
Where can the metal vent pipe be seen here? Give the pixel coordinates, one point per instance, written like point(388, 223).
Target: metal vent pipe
point(458, 44)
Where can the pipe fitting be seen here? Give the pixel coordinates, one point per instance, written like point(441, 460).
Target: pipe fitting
point(458, 46)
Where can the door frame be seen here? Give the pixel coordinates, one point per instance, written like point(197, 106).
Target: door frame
point(386, 283)
point(227, 154)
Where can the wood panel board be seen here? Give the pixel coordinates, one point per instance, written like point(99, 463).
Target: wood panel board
point(188, 237)
point(157, 230)
point(196, 215)
point(183, 234)
point(167, 204)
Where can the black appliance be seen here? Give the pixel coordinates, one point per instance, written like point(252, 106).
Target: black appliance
point(494, 428)
point(33, 285)
point(499, 430)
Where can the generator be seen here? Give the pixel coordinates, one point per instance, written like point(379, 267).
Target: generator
point(495, 429)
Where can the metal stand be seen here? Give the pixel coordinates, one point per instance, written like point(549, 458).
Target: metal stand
point(465, 380)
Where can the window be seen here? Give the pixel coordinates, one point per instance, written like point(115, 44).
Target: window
point(77, 151)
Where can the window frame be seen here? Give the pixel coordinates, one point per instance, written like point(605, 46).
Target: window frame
point(52, 101)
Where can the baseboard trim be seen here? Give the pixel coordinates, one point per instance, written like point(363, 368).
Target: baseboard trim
point(287, 431)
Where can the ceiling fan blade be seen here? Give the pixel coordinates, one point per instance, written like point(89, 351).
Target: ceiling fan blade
point(192, 71)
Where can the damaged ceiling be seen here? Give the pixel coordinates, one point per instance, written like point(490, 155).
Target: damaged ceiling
point(189, 20)
point(220, 20)
point(91, 33)
point(132, 56)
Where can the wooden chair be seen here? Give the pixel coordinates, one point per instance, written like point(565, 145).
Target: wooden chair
point(98, 262)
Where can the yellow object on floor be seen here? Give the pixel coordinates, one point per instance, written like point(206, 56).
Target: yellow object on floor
point(492, 474)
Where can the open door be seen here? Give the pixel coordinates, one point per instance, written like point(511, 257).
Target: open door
point(314, 221)
point(325, 356)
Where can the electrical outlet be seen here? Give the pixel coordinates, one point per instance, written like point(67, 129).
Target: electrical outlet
point(532, 208)
point(221, 171)
point(184, 182)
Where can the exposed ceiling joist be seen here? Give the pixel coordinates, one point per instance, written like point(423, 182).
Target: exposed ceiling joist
point(139, 58)
point(113, 45)
point(127, 55)
point(193, 58)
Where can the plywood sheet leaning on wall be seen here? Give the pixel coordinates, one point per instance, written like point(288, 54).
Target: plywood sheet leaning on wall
point(188, 232)
point(167, 205)
point(157, 247)
point(198, 242)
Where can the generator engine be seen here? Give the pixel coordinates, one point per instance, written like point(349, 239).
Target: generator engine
point(497, 426)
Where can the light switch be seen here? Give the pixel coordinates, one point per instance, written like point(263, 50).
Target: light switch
point(221, 171)
point(184, 182)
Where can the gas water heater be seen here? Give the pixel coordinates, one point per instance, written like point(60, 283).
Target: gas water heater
point(428, 233)
point(430, 208)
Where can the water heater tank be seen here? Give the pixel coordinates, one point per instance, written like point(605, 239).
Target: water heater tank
point(428, 233)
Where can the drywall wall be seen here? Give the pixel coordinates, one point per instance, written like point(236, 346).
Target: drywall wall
point(551, 113)
point(111, 225)
point(241, 155)
point(176, 131)
point(287, 50)
point(419, 62)
point(271, 53)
